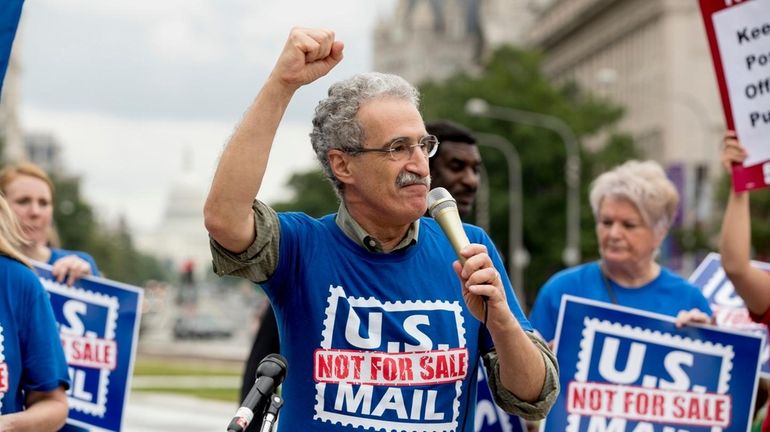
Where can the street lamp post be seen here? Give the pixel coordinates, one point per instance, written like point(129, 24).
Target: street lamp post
point(481, 206)
point(518, 257)
point(481, 108)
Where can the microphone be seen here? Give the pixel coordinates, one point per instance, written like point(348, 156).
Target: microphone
point(443, 208)
point(270, 374)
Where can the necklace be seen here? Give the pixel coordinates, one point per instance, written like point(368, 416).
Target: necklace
point(607, 285)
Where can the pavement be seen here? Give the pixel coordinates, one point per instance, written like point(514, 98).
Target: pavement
point(155, 412)
point(213, 381)
point(166, 412)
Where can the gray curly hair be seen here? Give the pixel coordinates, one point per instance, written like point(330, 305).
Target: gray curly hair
point(645, 185)
point(335, 125)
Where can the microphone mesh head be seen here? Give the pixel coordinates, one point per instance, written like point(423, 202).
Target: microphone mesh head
point(439, 199)
point(281, 360)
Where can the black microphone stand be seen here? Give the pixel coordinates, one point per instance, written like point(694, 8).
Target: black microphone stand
point(269, 410)
point(262, 400)
point(271, 413)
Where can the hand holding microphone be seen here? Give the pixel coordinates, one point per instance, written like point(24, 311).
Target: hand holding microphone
point(443, 208)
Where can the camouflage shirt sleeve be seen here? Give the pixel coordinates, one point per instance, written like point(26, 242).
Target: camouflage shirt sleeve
point(509, 402)
point(258, 262)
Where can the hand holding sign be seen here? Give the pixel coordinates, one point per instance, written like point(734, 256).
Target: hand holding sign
point(739, 37)
point(628, 370)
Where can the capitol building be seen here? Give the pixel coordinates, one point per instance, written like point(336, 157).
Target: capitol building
point(180, 239)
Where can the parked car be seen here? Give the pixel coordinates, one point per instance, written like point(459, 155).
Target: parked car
point(202, 327)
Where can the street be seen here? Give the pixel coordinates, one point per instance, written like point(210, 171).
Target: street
point(154, 412)
point(159, 412)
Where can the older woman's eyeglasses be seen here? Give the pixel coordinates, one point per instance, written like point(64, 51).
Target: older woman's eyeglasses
point(400, 148)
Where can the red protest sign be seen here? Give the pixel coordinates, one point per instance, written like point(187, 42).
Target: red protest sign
point(738, 32)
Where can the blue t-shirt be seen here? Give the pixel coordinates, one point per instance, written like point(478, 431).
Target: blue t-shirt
point(375, 341)
point(31, 355)
point(61, 253)
point(667, 294)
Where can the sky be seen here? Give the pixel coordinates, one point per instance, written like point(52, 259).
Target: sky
point(127, 87)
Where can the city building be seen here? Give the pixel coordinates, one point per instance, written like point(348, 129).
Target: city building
point(181, 239)
point(11, 133)
point(434, 39)
point(651, 57)
point(44, 150)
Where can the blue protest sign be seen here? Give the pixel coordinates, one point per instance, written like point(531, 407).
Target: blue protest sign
point(623, 369)
point(98, 325)
point(711, 278)
point(729, 309)
point(10, 12)
point(489, 416)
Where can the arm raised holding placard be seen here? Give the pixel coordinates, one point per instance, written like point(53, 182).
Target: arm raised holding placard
point(751, 283)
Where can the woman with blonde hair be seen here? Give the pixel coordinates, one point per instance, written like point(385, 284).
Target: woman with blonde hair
point(33, 370)
point(29, 192)
point(634, 205)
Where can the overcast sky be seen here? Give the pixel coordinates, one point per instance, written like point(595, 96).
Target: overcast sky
point(127, 85)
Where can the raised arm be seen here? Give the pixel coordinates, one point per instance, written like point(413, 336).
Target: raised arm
point(751, 283)
point(308, 55)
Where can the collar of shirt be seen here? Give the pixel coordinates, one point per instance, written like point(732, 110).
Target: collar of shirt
point(355, 232)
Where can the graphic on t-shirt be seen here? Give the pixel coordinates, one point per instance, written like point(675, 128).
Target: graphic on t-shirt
point(3, 377)
point(390, 365)
point(3, 370)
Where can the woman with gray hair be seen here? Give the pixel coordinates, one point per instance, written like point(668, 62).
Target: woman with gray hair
point(634, 205)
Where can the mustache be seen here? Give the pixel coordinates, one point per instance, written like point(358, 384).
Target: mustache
point(408, 179)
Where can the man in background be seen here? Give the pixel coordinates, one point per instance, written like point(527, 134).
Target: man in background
point(455, 167)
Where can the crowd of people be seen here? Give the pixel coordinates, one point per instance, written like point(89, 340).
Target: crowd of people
point(381, 182)
point(363, 294)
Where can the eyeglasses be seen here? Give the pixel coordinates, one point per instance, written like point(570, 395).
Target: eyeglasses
point(400, 149)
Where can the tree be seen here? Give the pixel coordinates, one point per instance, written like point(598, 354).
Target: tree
point(312, 193)
point(513, 78)
point(760, 217)
point(77, 229)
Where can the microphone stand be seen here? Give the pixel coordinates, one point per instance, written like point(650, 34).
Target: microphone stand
point(271, 413)
point(266, 422)
point(262, 400)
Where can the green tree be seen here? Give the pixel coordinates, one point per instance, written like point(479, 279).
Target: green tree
point(78, 229)
point(760, 217)
point(513, 78)
point(311, 193)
